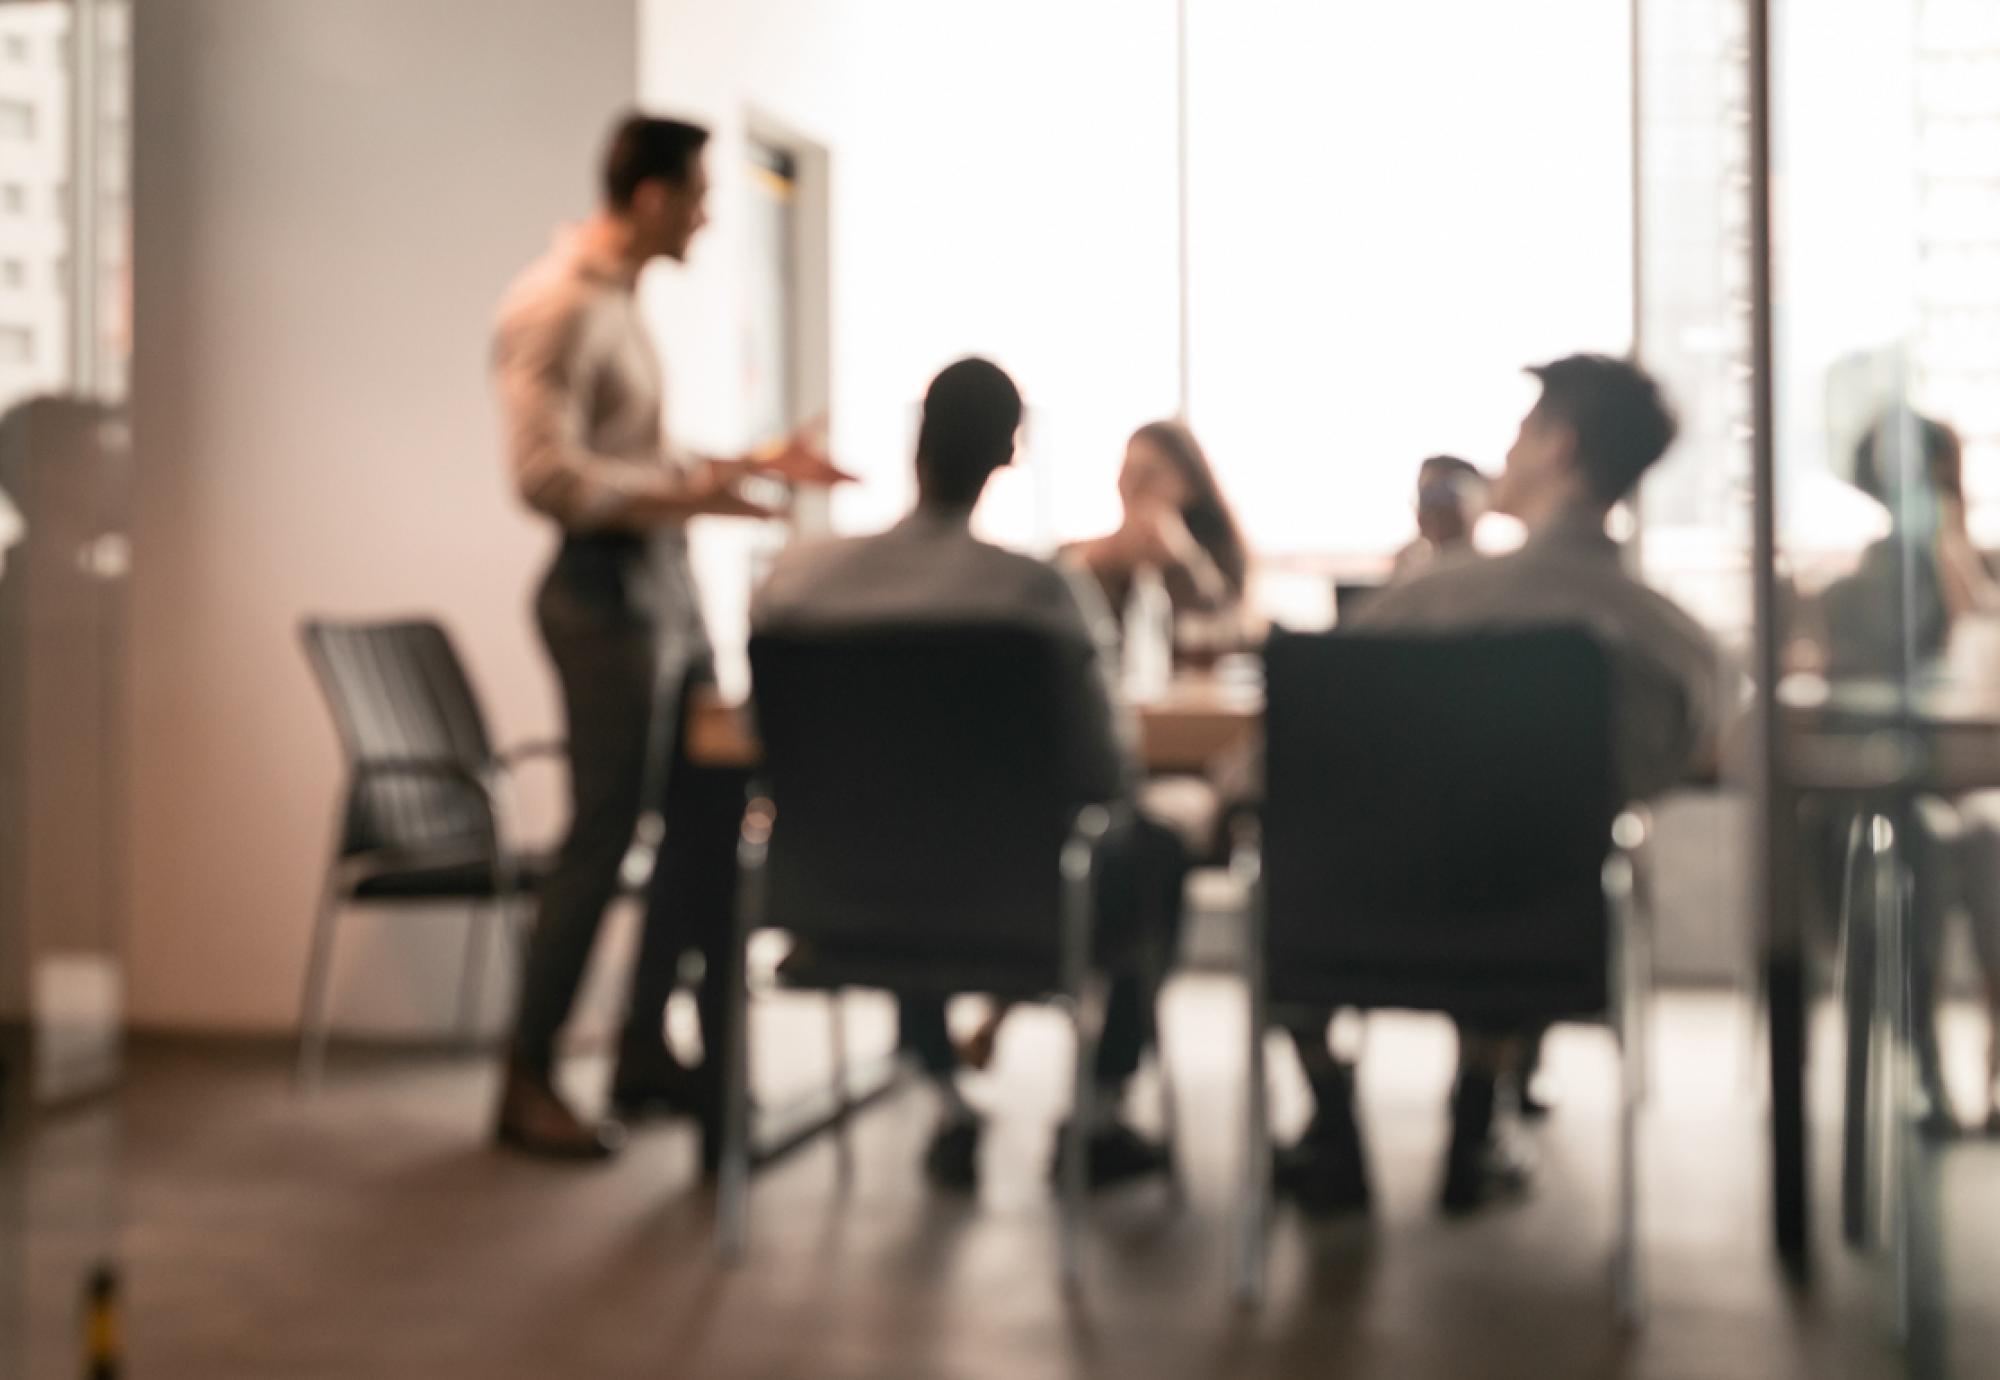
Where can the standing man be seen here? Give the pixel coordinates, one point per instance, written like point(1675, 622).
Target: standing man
point(582, 398)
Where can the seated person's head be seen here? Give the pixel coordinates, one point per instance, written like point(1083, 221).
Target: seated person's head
point(1450, 495)
point(971, 413)
point(1880, 470)
point(1166, 468)
point(1164, 465)
point(1599, 425)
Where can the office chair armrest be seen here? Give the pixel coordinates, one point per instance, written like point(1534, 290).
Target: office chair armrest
point(1091, 823)
point(1078, 862)
point(1246, 848)
point(753, 843)
point(437, 768)
point(1628, 900)
point(1088, 828)
point(1629, 985)
point(486, 784)
point(1632, 845)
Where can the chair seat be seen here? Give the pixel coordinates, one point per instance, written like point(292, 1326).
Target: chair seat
point(404, 877)
point(999, 971)
point(1485, 999)
point(1536, 960)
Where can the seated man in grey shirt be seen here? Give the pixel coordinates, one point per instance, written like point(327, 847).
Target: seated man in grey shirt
point(929, 569)
point(1599, 425)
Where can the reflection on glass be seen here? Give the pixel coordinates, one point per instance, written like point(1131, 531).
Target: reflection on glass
point(64, 475)
point(1885, 173)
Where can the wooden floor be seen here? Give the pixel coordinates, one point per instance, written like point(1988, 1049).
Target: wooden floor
point(369, 1231)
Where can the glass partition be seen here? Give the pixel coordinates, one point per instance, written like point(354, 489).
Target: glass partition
point(65, 242)
point(1863, 314)
point(1882, 874)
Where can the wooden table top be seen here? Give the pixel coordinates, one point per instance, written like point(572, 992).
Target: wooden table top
point(1196, 721)
point(1942, 737)
point(1945, 739)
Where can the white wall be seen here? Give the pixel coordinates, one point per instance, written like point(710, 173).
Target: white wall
point(329, 199)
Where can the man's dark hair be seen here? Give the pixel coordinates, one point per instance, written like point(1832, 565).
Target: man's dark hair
point(971, 412)
point(644, 148)
point(1621, 421)
point(1446, 469)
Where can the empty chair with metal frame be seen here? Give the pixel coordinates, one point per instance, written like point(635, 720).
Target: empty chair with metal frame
point(424, 812)
point(1441, 831)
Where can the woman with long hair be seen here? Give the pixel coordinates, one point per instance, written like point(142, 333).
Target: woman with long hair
point(1176, 520)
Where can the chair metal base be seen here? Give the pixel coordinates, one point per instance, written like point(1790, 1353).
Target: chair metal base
point(1630, 987)
point(315, 1020)
point(1082, 998)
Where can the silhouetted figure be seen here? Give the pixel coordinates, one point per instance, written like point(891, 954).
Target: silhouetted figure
point(1599, 425)
point(1891, 621)
point(1451, 494)
point(929, 570)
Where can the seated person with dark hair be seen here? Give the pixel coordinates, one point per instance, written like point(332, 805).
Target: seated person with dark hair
point(929, 570)
point(1451, 494)
point(1599, 425)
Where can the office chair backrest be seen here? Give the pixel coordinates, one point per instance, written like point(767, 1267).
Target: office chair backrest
point(399, 693)
point(1349, 596)
point(1437, 817)
point(924, 779)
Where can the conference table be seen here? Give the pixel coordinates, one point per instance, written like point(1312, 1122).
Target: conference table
point(1195, 721)
point(1940, 737)
point(1943, 738)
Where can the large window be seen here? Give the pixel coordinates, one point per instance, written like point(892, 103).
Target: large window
point(1393, 208)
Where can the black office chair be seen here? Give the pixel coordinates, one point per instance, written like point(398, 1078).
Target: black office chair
point(425, 817)
point(1441, 832)
point(932, 798)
